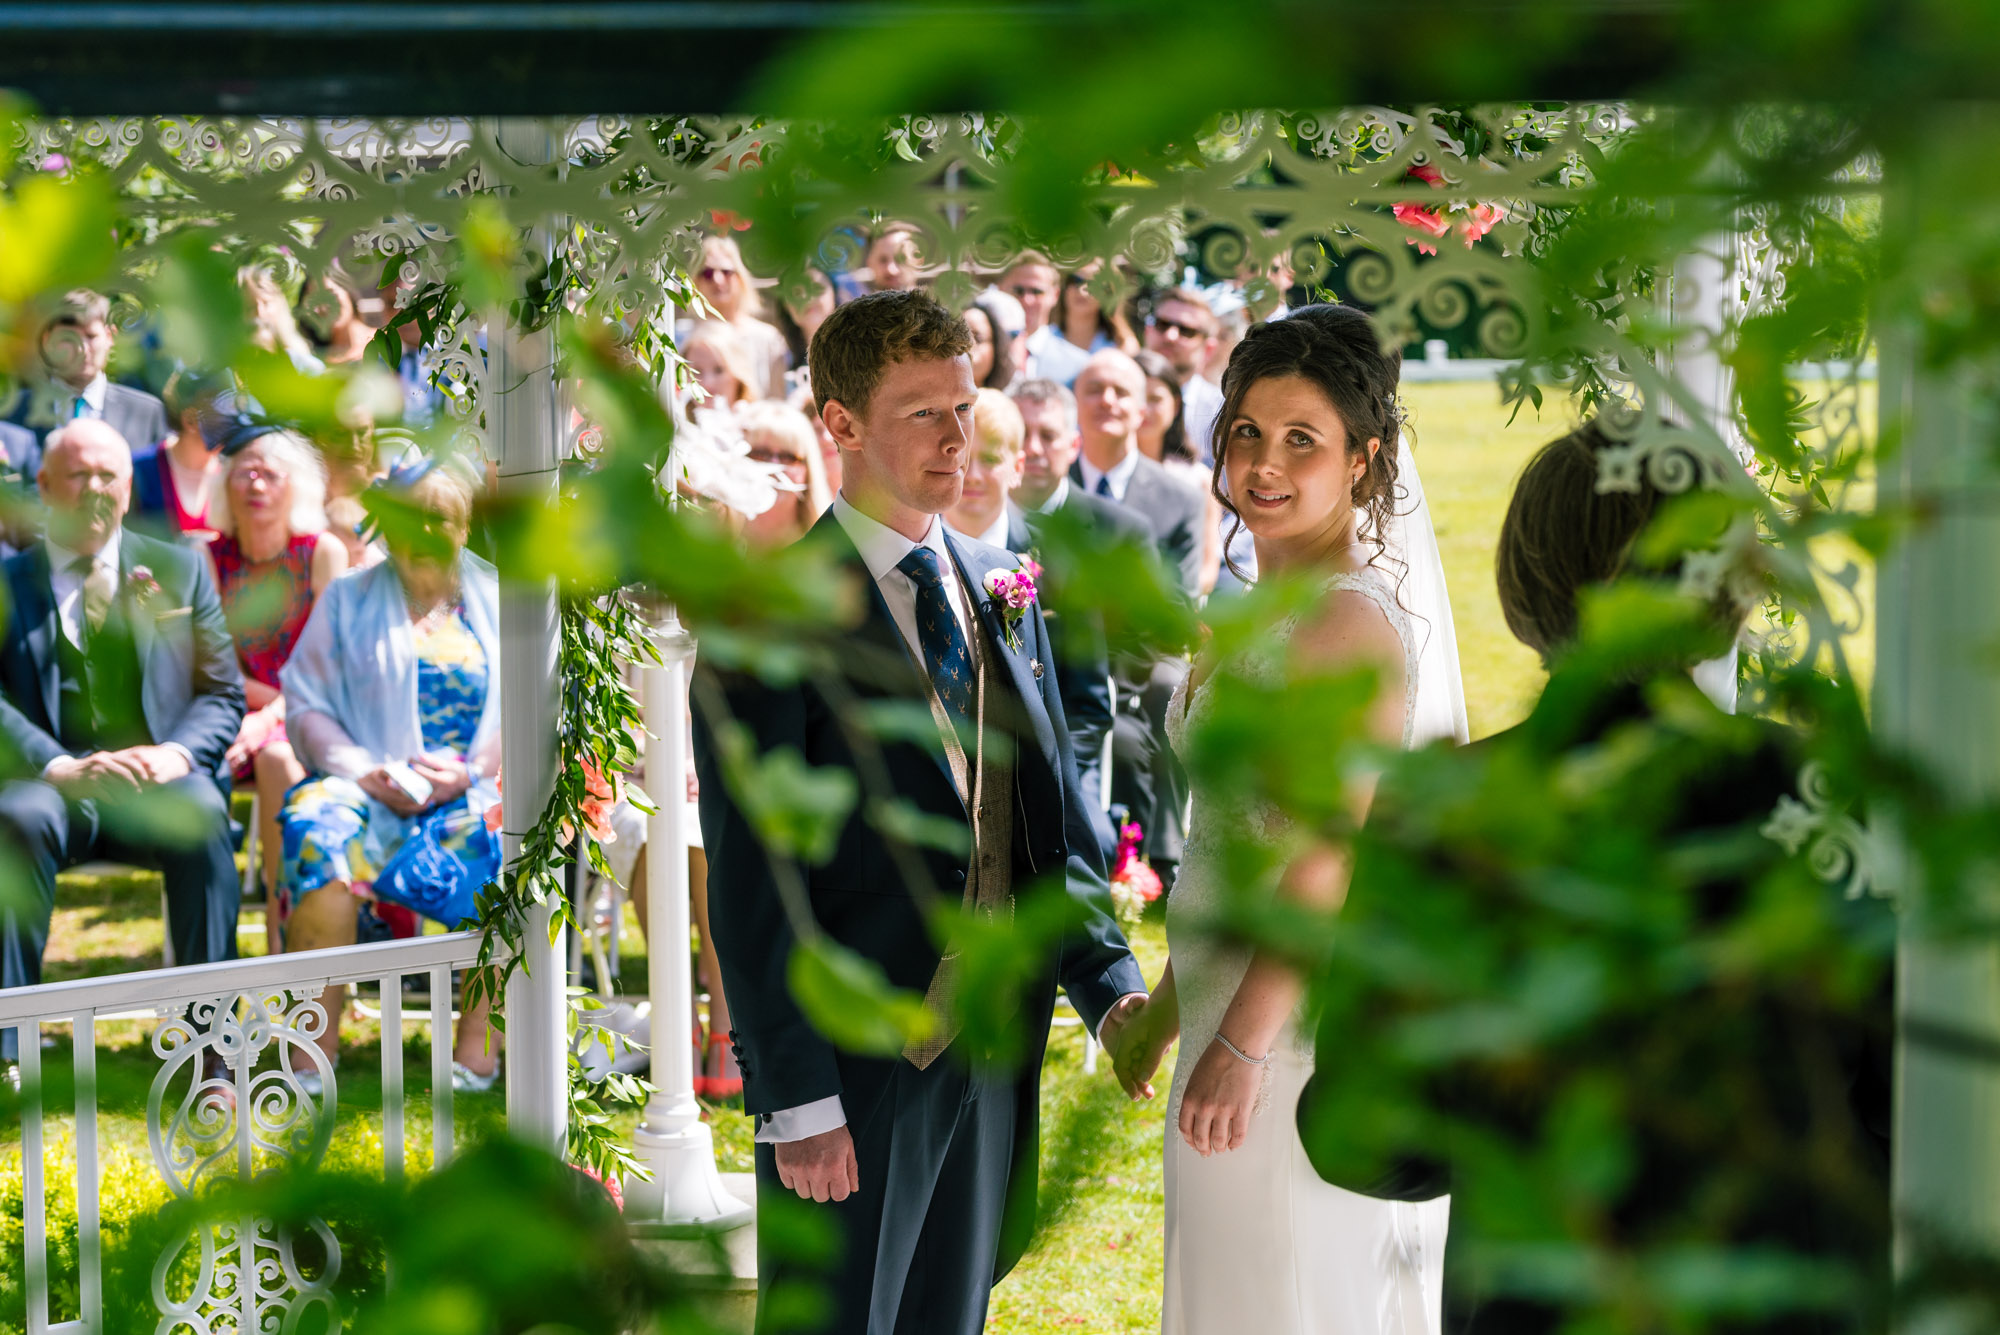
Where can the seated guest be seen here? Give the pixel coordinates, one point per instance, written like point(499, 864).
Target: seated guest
point(727, 287)
point(986, 512)
point(117, 679)
point(1087, 323)
point(721, 365)
point(799, 320)
point(992, 344)
point(1146, 775)
point(1045, 353)
point(1183, 329)
point(76, 347)
point(392, 702)
point(1110, 410)
point(893, 264)
point(330, 310)
point(779, 434)
point(272, 326)
point(272, 556)
point(347, 520)
point(172, 481)
point(20, 456)
point(1163, 439)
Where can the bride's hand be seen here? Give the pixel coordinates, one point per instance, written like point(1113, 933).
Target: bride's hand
point(1222, 1092)
point(1144, 1044)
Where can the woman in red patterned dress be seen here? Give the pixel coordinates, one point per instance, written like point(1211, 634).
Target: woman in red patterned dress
point(272, 557)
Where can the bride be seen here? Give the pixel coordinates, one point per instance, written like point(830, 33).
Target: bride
point(1255, 1240)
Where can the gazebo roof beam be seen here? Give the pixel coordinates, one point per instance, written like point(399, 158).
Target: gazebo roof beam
point(520, 57)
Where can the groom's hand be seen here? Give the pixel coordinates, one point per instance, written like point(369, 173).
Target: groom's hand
point(820, 1168)
point(1115, 1033)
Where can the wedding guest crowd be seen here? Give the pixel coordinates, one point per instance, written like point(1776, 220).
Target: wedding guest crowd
point(179, 618)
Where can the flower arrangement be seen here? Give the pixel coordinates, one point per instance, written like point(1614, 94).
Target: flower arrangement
point(1134, 883)
point(1473, 221)
point(600, 795)
point(1011, 592)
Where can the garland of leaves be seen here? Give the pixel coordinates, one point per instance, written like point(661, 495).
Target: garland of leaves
point(597, 726)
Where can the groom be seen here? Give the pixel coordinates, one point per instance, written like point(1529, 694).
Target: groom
point(923, 1163)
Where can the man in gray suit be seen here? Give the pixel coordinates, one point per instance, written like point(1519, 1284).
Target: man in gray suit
point(1110, 405)
point(76, 347)
point(1145, 777)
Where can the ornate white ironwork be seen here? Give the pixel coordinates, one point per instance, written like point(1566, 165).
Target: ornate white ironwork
point(1838, 847)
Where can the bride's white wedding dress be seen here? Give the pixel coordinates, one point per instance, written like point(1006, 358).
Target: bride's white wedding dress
point(1255, 1239)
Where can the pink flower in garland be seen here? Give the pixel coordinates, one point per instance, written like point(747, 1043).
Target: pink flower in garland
point(1134, 883)
point(1476, 222)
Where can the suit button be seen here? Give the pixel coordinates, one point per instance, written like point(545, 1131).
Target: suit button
point(958, 878)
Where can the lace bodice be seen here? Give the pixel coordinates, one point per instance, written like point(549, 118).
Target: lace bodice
point(1207, 970)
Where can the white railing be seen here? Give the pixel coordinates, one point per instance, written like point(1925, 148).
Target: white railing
point(234, 1041)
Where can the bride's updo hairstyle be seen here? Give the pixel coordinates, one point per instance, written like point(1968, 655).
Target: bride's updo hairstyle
point(1562, 535)
point(1335, 348)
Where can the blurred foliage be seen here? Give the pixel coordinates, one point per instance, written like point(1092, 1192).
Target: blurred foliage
point(1535, 974)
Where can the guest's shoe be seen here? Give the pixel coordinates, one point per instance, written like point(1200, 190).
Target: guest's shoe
point(465, 1080)
point(720, 1079)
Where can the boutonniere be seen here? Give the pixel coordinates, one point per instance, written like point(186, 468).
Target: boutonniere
point(1011, 592)
point(139, 582)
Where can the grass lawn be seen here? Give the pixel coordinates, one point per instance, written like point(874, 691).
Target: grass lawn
point(1096, 1264)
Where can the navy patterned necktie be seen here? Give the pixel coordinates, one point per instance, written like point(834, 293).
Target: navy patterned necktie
point(1104, 485)
point(946, 656)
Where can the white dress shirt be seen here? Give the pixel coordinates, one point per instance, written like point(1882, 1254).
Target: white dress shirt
point(1056, 497)
point(882, 550)
point(995, 534)
point(1053, 357)
point(92, 395)
point(66, 585)
point(1120, 474)
point(1201, 404)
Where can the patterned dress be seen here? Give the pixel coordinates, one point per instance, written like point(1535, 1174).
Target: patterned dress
point(265, 602)
point(434, 863)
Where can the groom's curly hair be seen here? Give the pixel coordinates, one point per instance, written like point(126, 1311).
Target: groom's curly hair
point(856, 344)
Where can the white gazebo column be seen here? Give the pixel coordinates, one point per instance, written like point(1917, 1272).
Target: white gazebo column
point(1701, 304)
point(1937, 698)
point(523, 418)
point(671, 1140)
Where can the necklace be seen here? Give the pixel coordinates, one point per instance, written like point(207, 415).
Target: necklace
point(426, 618)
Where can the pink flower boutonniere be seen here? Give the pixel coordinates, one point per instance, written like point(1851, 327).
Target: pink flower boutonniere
point(1011, 592)
point(140, 583)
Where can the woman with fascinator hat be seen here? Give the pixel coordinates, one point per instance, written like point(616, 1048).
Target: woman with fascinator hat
point(393, 693)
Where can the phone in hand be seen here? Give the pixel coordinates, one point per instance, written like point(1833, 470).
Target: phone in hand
point(413, 785)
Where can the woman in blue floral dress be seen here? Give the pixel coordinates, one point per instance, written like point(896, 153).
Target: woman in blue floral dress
point(394, 696)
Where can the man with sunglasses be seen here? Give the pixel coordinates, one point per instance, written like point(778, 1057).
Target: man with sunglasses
point(1037, 285)
point(1182, 329)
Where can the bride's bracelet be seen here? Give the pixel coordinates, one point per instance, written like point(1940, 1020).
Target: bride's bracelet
point(1239, 1053)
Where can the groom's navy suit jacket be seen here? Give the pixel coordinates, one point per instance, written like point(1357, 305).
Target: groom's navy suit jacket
point(863, 896)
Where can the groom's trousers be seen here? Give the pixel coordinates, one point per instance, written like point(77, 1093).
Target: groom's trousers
point(917, 1243)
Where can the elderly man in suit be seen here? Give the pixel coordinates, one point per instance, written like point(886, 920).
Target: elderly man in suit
point(76, 348)
point(1146, 776)
point(119, 688)
point(1110, 405)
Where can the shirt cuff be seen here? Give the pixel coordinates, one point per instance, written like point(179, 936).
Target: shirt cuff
point(1107, 1015)
point(183, 753)
point(808, 1119)
point(53, 761)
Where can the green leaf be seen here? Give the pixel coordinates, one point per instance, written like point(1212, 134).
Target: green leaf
point(899, 818)
point(847, 998)
point(796, 809)
point(55, 235)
